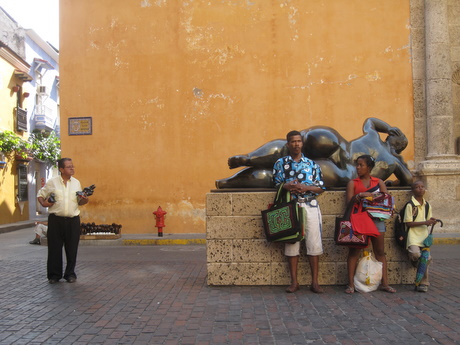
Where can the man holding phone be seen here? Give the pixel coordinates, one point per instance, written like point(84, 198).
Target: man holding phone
point(63, 220)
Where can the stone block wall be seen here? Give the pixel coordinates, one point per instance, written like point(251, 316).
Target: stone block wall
point(238, 253)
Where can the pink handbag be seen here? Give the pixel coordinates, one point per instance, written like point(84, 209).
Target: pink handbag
point(344, 234)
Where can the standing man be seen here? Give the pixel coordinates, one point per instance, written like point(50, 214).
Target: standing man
point(59, 195)
point(303, 179)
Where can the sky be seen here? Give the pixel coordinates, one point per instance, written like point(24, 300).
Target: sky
point(40, 15)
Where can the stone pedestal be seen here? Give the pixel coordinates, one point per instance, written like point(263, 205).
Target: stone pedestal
point(442, 181)
point(238, 253)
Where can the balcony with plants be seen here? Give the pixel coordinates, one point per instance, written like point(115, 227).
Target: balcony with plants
point(42, 146)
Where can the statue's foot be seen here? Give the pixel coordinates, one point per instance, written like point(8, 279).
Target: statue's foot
point(221, 184)
point(237, 161)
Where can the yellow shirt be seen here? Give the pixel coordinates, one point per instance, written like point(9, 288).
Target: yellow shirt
point(417, 234)
point(66, 204)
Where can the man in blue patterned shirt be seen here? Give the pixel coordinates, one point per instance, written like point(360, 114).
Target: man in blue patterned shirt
point(303, 179)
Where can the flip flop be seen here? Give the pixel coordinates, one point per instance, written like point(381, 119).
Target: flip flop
point(388, 289)
point(349, 290)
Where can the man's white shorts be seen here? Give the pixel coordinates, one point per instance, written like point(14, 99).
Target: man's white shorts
point(313, 231)
point(41, 230)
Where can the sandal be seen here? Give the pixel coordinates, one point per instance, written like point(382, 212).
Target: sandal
point(292, 289)
point(350, 289)
point(388, 288)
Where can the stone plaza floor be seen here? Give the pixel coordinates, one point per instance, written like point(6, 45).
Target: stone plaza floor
point(158, 295)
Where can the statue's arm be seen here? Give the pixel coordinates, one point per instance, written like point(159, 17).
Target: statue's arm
point(263, 157)
point(403, 173)
point(372, 124)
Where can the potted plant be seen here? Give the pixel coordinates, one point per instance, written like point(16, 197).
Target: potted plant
point(23, 157)
point(23, 153)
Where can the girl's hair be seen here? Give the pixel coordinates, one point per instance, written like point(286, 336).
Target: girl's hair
point(370, 161)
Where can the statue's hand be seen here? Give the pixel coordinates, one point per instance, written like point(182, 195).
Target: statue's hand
point(395, 131)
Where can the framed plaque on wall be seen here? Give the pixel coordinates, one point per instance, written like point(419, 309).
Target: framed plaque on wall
point(80, 125)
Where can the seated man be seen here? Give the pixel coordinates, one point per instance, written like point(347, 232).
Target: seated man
point(332, 152)
point(41, 229)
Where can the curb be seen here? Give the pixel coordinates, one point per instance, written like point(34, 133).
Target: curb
point(4, 228)
point(136, 242)
point(446, 240)
point(153, 242)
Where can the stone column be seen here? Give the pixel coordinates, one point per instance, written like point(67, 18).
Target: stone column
point(438, 81)
point(441, 169)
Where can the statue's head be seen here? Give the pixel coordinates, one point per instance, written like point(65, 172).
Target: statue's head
point(397, 142)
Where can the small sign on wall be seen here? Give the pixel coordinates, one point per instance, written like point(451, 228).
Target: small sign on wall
point(22, 183)
point(80, 125)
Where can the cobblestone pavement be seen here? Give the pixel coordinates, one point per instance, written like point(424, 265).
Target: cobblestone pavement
point(158, 295)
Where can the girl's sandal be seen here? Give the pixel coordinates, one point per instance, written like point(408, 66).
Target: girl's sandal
point(349, 290)
point(388, 288)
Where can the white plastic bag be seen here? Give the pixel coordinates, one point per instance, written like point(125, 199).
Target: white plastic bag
point(368, 273)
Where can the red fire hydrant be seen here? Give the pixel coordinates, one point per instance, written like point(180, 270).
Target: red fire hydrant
point(160, 220)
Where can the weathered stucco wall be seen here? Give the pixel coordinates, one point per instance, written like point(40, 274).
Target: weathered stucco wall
point(176, 87)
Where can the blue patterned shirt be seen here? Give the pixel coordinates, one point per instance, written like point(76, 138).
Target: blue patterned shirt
point(305, 171)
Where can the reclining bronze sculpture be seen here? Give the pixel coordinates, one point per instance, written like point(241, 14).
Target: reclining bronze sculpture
point(331, 151)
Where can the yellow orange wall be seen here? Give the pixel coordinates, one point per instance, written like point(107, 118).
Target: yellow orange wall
point(9, 208)
point(176, 87)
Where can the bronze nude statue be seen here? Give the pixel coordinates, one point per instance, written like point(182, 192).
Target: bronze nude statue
point(334, 154)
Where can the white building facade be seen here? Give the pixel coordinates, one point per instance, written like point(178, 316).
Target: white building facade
point(43, 110)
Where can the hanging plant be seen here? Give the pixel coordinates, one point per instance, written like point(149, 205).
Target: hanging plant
point(10, 142)
point(45, 147)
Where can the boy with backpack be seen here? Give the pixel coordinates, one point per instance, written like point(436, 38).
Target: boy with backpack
point(417, 218)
